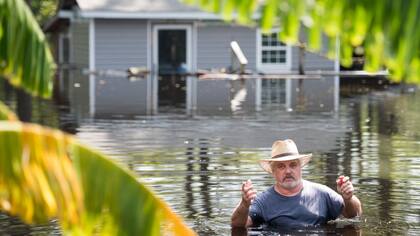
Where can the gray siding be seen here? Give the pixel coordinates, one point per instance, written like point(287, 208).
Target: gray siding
point(312, 61)
point(213, 51)
point(213, 45)
point(120, 44)
point(80, 43)
point(313, 95)
point(79, 83)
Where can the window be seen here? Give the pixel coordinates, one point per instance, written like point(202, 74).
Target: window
point(272, 55)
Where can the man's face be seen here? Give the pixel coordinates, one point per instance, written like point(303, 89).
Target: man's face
point(288, 174)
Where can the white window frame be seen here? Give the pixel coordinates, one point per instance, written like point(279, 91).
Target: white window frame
point(272, 67)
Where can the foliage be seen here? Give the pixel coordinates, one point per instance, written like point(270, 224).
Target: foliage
point(6, 113)
point(25, 59)
point(387, 30)
point(45, 173)
point(43, 9)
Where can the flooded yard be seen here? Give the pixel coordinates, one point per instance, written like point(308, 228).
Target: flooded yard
point(197, 163)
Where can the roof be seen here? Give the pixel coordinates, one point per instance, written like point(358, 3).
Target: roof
point(134, 9)
point(147, 6)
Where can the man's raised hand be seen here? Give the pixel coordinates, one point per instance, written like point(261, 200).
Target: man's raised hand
point(345, 187)
point(248, 192)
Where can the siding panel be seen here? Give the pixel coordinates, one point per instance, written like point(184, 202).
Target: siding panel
point(79, 82)
point(312, 61)
point(213, 50)
point(120, 44)
point(80, 43)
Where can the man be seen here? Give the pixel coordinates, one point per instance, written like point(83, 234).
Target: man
point(293, 202)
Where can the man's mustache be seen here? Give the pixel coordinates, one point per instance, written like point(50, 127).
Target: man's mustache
point(288, 176)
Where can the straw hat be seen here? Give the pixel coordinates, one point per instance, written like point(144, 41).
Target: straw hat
point(284, 150)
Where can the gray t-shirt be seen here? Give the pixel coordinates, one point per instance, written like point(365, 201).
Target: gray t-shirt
point(315, 204)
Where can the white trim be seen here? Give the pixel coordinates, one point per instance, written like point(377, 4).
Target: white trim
point(150, 95)
point(92, 66)
point(191, 105)
point(271, 67)
point(189, 58)
point(65, 14)
point(288, 94)
point(258, 91)
point(151, 15)
point(337, 78)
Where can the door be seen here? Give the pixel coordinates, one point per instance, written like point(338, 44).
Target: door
point(171, 57)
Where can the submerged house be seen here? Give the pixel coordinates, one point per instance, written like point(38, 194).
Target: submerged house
point(166, 36)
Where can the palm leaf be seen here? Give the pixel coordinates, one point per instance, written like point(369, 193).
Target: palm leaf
point(6, 113)
point(45, 173)
point(388, 30)
point(25, 58)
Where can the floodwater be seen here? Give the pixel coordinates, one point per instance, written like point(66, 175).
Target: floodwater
point(197, 163)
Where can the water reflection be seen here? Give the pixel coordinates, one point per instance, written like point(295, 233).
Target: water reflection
point(198, 163)
point(203, 162)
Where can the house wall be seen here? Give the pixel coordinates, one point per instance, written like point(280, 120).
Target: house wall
point(312, 61)
point(120, 44)
point(80, 43)
point(79, 56)
point(213, 52)
point(213, 40)
point(318, 94)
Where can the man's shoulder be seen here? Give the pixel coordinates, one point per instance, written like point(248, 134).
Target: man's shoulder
point(317, 187)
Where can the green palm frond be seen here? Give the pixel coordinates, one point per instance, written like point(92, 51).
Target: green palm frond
point(6, 113)
point(25, 58)
point(387, 30)
point(45, 173)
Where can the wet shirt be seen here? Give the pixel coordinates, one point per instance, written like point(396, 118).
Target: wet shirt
point(315, 204)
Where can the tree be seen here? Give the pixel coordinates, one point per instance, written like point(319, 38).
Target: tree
point(387, 30)
point(46, 173)
point(42, 9)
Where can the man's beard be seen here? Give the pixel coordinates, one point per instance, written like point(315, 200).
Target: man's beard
point(290, 184)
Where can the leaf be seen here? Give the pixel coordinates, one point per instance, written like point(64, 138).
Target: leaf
point(45, 173)
point(25, 58)
point(6, 113)
point(388, 30)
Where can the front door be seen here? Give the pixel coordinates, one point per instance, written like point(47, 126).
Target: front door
point(171, 60)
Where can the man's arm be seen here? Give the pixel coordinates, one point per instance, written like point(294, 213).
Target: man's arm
point(240, 217)
point(352, 205)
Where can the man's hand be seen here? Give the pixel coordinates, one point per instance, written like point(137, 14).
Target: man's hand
point(240, 216)
point(248, 193)
point(345, 187)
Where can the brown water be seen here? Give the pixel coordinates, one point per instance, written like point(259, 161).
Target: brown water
point(197, 163)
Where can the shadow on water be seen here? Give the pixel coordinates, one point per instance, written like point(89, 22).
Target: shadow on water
point(349, 230)
point(197, 163)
